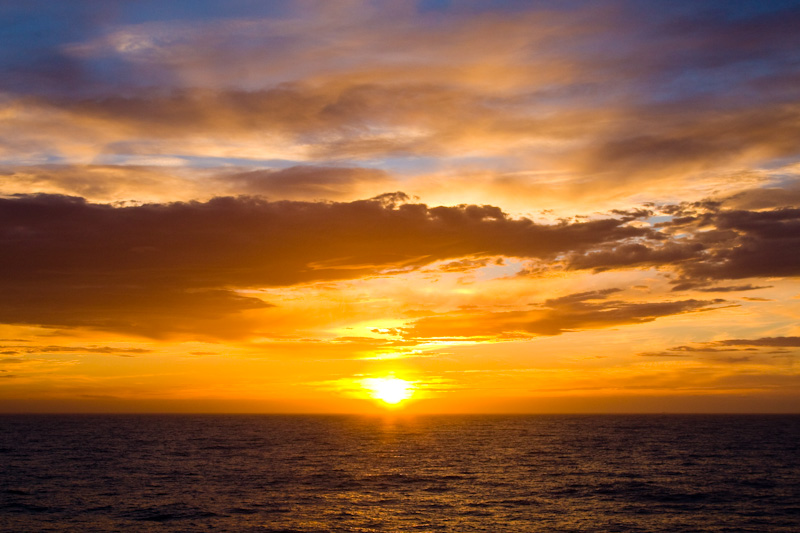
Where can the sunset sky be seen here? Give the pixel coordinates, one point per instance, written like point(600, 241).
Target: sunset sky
point(511, 206)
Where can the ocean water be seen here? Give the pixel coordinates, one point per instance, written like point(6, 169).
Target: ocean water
point(672, 473)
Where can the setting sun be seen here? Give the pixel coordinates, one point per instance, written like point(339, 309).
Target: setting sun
point(390, 390)
point(224, 201)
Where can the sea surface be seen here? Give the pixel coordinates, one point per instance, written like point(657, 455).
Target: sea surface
point(608, 473)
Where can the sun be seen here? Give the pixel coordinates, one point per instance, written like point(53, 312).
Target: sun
point(390, 390)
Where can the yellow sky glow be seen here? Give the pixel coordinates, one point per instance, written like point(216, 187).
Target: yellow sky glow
point(390, 390)
point(339, 207)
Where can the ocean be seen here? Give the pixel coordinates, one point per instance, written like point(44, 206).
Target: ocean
point(276, 473)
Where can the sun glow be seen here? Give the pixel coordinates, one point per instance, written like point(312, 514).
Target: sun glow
point(390, 390)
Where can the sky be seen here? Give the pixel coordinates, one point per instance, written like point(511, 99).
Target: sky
point(360, 206)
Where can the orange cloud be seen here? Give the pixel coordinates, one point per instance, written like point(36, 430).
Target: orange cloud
point(580, 311)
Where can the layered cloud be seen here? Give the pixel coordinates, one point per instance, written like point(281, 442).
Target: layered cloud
point(307, 182)
point(614, 101)
point(764, 346)
point(574, 312)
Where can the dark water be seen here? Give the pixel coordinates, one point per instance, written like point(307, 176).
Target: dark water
point(441, 473)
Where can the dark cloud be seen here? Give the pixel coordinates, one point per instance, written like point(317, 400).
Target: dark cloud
point(306, 182)
point(792, 342)
point(170, 267)
point(730, 345)
point(720, 36)
point(734, 288)
point(711, 138)
point(768, 197)
point(116, 302)
point(632, 214)
point(705, 243)
point(288, 108)
point(81, 349)
point(575, 312)
point(466, 265)
point(762, 243)
point(636, 255)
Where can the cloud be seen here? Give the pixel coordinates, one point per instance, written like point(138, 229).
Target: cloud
point(110, 350)
point(105, 183)
point(752, 244)
point(636, 255)
point(734, 288)
point(770, 196)
point(307, 182)
point(113, 303)
point(467, 265)
point(555, 316)
point(678, 144)
point(154, 183)
point(789, 342)
point(344, 119)
point(703, 242)
point(730, 345)
point(155, 268)
point(611, 100)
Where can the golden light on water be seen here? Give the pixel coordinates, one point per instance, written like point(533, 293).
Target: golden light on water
point(390, 390)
